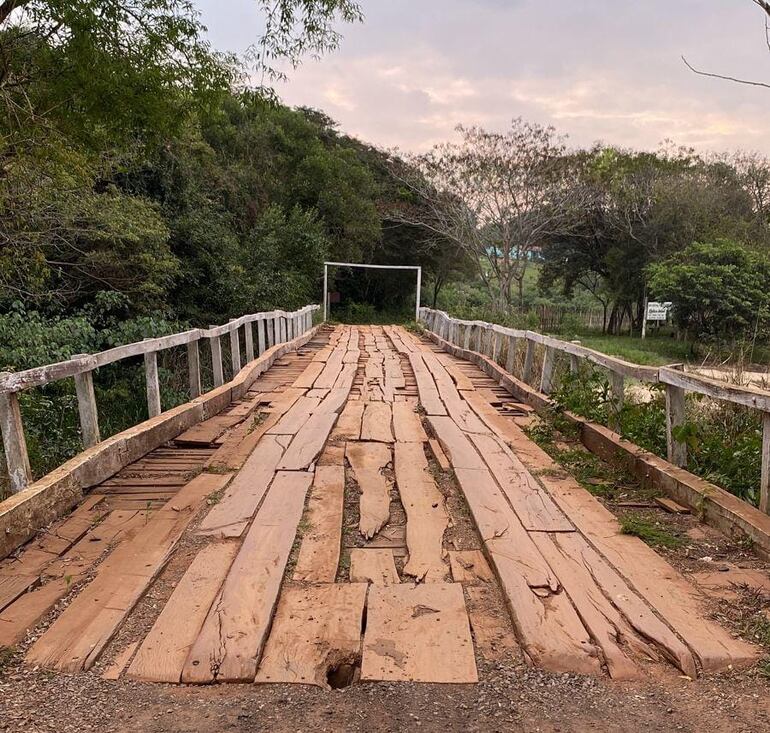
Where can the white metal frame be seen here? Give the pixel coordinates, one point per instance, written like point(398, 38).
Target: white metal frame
point(374, 267)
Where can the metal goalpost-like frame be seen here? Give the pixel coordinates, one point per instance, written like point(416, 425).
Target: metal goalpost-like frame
point(374, 267)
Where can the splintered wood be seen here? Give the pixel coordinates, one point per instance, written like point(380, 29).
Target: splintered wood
point(379, 423)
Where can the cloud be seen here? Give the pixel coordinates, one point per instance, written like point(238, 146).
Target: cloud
point(597, 70)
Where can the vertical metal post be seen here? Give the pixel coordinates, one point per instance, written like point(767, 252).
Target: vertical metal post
point(89, 416)
point(14, 444)
point(419, 287)
point(326, 286)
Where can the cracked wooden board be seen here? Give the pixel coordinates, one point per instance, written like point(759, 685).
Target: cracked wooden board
point(407, 426)
point(375, 425)
point(308, 442)
point(164, 650)
point(319, 553)
point(231, 515)
point(373, 565)
point(470, 567)
point(368, 460)
point(316, 630)
point(426, 515)
point(418, 634)
point(234, 632)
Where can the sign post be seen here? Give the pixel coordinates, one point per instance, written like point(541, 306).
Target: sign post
point(655, 311)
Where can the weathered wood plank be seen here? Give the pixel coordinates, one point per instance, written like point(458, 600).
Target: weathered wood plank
point(295, 417)
point(407, 426)
point(470, 567)
point(319, 553)
point(348, 426)
point(308, 442)
point(165, 649)
point(373, 565)
point(368, 461)
point(76, 639)
point(315, 631)
point(231, 515)
point(429, 396)
point(418, 634)
point(460, 450)
point(232, 637)
point(426, 515)
point(376, 423)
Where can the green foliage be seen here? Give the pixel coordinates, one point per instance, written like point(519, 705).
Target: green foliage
point(653, 350)
point(719, 289)
point(649, 530)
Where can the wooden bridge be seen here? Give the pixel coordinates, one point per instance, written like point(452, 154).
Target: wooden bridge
point(343, 508)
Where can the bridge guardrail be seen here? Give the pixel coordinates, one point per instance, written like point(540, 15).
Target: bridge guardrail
point(488, 338)
point(273, 327)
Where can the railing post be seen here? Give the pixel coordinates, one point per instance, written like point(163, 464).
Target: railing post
point(467, 336)
point(14, 444)
point(282, 327)
point(617, 393)
point(89, 416)
point(479, 338)
point(675, 417)
point(574, 361)
point(510, 358)
point(248, 331)
point(546, 377)
point(153, 385)
point(496, 345)
point(272, 331)
point(261, 328)
point(216, 360)
point(194, 368)
point(764, 484)
point(235, 349)
point(529, 359)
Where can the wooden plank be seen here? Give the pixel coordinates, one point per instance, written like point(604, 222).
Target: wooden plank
point(232, 637)
point(308, 442)
point(470, 567)
point(165, 649)
point(76, 639)
point(373, 565)
point(586, 573)
point(368, 461)
point(670, 505)
point(426, 515)
point(319, 553)
point(532, 504)
point(295, 417)
point(418, 634)
point(460, 450)
point(331, 370)
point(376, 423)
point(407, 426)
point(461, 380)
point(206, 432)
point(551, 632)
point(231, 515)
point(309, 375)
point(114, 671)
point(316, 631)
point(429, 397)
point(438, 454)
point(348, 426)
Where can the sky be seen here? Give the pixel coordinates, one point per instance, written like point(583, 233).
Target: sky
point(597, 70)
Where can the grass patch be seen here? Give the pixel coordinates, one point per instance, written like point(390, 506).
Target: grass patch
point(651, 351)
point(650, 531)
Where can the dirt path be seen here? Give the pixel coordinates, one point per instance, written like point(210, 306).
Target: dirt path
point(282, 539)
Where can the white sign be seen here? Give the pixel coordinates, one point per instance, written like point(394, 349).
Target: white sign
point(657, 311)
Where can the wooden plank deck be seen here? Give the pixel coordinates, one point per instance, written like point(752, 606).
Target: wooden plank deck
point(323, 497)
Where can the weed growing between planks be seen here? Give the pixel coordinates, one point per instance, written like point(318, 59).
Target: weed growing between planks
point(649, 529)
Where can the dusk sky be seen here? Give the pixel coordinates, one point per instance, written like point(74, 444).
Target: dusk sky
point(606, 70)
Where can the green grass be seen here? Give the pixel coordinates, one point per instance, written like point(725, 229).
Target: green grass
point(651, 532)
point(652, 351)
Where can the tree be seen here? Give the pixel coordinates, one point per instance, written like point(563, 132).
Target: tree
point(498, 196)
point(719, 290)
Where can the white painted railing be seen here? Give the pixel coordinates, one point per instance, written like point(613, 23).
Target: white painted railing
point(491, 340)
point(272, 328)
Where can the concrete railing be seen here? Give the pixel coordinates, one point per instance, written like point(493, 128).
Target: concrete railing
point(492, 340)
point(274, 327)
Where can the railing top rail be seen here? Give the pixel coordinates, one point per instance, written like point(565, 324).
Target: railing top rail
point(38, 376)
point(749, 396)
